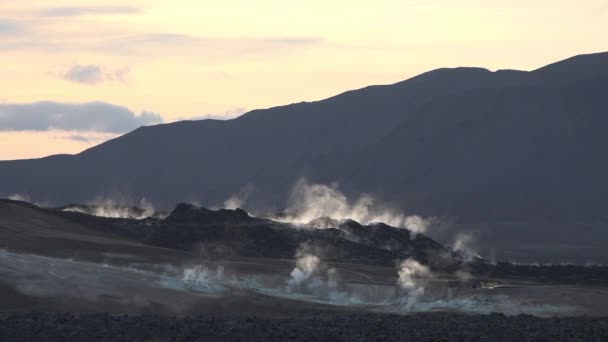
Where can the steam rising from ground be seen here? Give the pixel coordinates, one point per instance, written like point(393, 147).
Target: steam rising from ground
point(202, 277)
point(238, 200)
point(22, 197)
point(234, 202)
point(19, 197)
point(411, 276)
point(311, 201)
point(309, 277)
point(306, 265)
point(463, 244)
point(116, 209)
point(144, 284)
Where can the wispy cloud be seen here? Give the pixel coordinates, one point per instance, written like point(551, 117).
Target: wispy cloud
point(80, 137)
point(210, 47)
point(207, 49)
point(86, 137)
point(9, 26)
point(89, 74)
point(153, 45)
point(92, 74)
point(87, 10)
point(229, 114)
point(91, 116)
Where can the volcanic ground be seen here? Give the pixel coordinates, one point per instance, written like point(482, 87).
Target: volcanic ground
point(200, 274)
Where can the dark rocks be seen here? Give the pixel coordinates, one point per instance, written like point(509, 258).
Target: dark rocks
point(224, 234)
point(188, 213)
point(192, 228)
point(319, 327)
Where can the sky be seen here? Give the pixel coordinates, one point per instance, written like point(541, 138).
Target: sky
point(76, 73)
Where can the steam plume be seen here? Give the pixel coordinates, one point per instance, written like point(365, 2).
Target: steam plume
point(116, 209)
point(311, 201)
point(463, 244)
point(307, 277)
point(19, 197)
point(202, 277)
point(410, 273)
point(238, 200)
point(306, 265)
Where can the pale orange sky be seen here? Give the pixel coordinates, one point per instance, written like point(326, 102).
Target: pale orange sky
point(193, 58)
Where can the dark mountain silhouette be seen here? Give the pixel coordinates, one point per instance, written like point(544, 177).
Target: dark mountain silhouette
point(463, 141)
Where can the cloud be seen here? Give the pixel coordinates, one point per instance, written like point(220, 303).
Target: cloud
point(9, 26)
point(229, 114)
point(86, 137)
point(82, 138)
point(90, 10)
point(93, 74)
point(91, 116)
point(206, 47)
point(156, 45)
point(89, 74)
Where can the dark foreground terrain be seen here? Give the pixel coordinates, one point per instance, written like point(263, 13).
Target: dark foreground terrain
point(228, 276)
point(316, 327)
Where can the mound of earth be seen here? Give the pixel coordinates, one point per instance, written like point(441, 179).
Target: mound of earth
point(220, 234)
point(225, 232)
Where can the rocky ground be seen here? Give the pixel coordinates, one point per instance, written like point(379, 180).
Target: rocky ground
point(54, 261)
point(314, 327)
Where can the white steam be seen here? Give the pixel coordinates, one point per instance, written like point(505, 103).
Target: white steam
point(116, 209)
point(239, 199)
point(234, 202)
point(144, 285)
point(200, 277)
point(306, 265)
point(309, 277)
point(311, 201)
point(19, 197)
point(411, 277)
point(26, 198)
point(463, 244)
point(416, 224)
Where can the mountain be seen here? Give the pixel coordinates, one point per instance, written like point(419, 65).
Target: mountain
point(464, 142)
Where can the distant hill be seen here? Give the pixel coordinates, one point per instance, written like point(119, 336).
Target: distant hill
point(448, 141)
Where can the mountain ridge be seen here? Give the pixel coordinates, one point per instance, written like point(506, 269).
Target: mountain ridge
point(339, 138)
point(443, 70)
